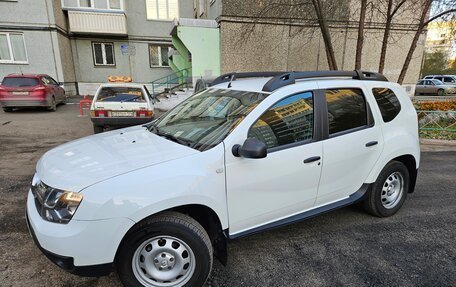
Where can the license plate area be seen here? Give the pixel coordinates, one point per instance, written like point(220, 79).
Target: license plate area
point(122, 114)
point(20, 93)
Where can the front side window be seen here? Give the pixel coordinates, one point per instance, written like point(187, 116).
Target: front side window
point(205, 119)
point(287, 122)
point(347, 110)
point(12, 48)
point(158, 55)
point(103, 54)
point(388, 103)
point(162, 9)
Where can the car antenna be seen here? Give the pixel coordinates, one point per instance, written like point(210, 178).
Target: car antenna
point(231, 79)
point(20, 69)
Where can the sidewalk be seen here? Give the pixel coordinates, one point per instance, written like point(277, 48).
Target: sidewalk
point(437, 145)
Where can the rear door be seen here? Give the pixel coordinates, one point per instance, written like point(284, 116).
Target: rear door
point(353, 145)
point(58, 91)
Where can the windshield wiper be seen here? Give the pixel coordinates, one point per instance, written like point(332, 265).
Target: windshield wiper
point(158, 132)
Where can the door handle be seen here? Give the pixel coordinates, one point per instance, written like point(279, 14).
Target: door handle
point(312, 159)
point(372, 143)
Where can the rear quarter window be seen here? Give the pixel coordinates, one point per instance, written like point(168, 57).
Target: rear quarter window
point(20, 82)
point(388, 103)
point(121, 94)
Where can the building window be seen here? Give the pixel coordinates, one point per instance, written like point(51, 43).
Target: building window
point(94, 4)
point(162, 9)
point(158, 55)
point(12, 48)
point(103, 54)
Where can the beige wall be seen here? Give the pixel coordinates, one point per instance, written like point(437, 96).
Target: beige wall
point(290, 48)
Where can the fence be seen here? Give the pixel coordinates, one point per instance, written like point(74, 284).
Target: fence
point(437, 123)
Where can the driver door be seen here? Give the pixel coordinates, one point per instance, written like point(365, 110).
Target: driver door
point(285, 183)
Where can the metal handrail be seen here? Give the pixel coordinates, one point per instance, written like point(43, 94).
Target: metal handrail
point(169, 80)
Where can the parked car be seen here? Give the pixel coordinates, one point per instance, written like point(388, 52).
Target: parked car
point(433, 87)
point(253, 151)
point(446, 79)
point(30, 90)
point(121, 105)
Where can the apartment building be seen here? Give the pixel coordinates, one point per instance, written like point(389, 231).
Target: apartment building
point(271, 35)
point(441, 37)
point(82, 42)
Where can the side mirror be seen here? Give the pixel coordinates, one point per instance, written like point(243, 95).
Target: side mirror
point(252, 148)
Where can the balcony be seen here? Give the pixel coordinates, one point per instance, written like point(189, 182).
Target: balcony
point(89, 22)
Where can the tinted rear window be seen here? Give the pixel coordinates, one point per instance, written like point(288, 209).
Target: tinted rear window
point(387, 102)
point(121, 94)
point(346, 110)
point(20, 82)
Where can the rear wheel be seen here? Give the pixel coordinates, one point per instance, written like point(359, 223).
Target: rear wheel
point(97, 129)
point(7, 110)
point(169, 249)
point(440, 93)
point(389, 191)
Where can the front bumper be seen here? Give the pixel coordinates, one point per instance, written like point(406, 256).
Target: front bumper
point(85, 248)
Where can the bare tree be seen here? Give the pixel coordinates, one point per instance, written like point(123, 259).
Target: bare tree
point(441, 8)
point(323, 23)
point(390, 13)
point(360, 41)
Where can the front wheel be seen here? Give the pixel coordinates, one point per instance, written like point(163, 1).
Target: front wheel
point(169, 249)
point(53, 106)
point(389, 191)
point(7, 110)
point(440, 93)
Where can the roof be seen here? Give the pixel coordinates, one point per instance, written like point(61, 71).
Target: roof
point(268, 82)
point(25, 75)
point(122, 84)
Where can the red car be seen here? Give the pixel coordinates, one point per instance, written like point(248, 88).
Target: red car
point(17, 90)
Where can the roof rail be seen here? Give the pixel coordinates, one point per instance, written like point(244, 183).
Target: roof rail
point(229, 77)
point(281, 79)
point(291, 77)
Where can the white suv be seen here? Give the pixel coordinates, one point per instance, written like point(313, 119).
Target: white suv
point(252, 152)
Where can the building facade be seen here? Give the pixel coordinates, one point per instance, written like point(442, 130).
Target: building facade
point(274, 35)
point(441, 37)
point(82, 42)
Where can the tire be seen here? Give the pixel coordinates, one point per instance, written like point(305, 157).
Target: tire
point(7, 110)
point(97, 129)
point(440, 93)
point(173, 243)
point(389, 190)
point(53, 106)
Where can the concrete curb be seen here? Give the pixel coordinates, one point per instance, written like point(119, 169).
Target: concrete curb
point(438, 142)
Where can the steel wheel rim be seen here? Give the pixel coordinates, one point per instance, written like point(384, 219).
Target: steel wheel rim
point(163, 261)
point(392, 190)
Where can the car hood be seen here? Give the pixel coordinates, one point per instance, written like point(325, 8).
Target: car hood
point(81, 163)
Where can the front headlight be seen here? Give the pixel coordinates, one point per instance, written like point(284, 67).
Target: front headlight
point(53, 204)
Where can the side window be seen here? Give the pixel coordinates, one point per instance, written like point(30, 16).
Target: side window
point(387, 102)
point(346, 109)
point(288, 121)
point(449, 80)
point(45, 80)
point(52, 81)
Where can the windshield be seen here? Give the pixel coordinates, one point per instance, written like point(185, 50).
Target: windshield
point(20, 82)
point(204, 120)
point(120, 94)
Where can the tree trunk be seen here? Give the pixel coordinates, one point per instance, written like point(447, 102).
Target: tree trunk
point(381, 65)
point(422, 25)
point(326, 35)
point(360, 42)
